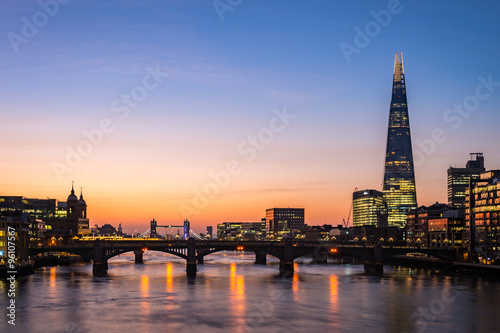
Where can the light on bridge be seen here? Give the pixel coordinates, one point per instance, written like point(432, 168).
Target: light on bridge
point(333, 250)
point(239, 248)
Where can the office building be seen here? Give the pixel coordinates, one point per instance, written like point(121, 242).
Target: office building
point(482, 216)
point(282, 221)
point(369, 208)
point(417, 226)
point(458, 179)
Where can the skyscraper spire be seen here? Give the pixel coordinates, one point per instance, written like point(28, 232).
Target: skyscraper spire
point(398, 68)
point(399, 177)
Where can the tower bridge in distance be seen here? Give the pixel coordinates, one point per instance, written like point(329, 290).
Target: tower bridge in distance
point(194, 252)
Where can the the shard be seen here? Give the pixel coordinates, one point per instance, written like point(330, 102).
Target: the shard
point(399, 177)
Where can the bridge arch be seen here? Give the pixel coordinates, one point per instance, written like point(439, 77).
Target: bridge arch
point(117, 252)
point(339, 251)
point(84, 253)
point(448, 257)
point(215, 250)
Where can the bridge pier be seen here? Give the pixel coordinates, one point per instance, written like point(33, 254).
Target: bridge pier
point(375, 267)
point(320, 256)
point(100, 268)
point(100, 262)
point(139, 256)
point(200, 259)
point(191, 258)
point(286, 263)
point(286, 268)
point(260, 258)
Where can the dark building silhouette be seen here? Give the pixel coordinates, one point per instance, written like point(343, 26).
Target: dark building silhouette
point(458, 179)
point(21, 224)
point(37, 208)
point(399, 177)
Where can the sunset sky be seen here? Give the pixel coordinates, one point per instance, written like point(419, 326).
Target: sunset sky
point(171, 93)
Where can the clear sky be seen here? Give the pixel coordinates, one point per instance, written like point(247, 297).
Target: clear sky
point(286, 102)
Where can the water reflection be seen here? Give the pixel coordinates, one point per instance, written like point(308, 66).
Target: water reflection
point(52, 281)
point(170, 279)
point(237, 296)
point(334, 293)
point(231, 295)
point(295, 281)
point(145, 311)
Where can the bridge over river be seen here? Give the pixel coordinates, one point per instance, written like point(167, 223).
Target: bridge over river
point(194, 251)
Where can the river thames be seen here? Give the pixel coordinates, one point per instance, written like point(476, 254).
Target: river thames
point(232, 294)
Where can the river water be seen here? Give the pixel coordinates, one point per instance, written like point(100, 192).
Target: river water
point(231, 294)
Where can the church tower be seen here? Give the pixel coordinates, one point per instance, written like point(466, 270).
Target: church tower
point(72, 206)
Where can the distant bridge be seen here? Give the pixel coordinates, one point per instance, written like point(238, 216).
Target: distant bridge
point(194, 251)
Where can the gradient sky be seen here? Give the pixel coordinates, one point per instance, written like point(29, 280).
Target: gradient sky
point(225, 78)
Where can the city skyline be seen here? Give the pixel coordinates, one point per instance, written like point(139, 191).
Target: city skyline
point(211, 80)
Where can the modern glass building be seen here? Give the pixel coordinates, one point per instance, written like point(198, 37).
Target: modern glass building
point(458, 179)
point(482, 217)
point(369, 208)
point(399, 177)
point(281, 221)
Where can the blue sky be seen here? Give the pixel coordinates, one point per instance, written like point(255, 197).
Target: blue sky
point(225, 78)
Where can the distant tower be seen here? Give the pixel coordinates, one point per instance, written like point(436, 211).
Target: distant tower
point(82, 206)
point(399, 177)
point(72, 206)
point(152, 228)
point(187, 227)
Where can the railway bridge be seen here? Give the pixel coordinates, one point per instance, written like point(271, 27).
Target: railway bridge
point(194, 251)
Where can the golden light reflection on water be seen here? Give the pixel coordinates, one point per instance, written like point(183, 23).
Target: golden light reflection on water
point(170, 279)
point(145, 291)
point(52, 279)
point(145, 300)
point(334, 293)
point(237, 296)
point(295, 281)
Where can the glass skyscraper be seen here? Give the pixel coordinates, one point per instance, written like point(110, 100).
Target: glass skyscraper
point(458, 179)
point(399, 177)
point(369, 208)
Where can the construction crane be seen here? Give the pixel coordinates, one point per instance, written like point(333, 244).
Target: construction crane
point(345, 223)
